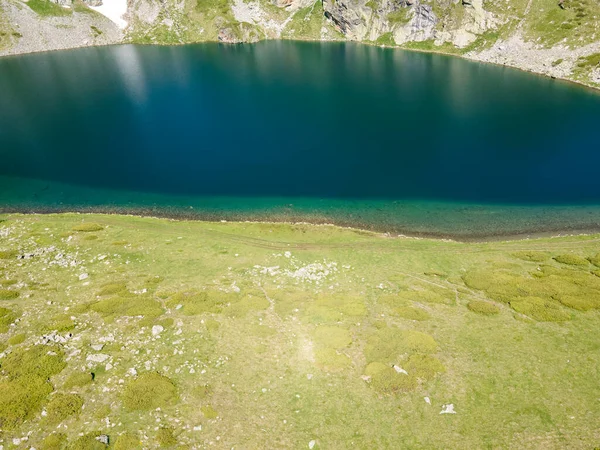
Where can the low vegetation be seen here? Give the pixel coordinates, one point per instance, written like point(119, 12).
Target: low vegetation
point(165, 334)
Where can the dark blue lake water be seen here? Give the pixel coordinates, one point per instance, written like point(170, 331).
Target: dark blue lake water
point(358, 135)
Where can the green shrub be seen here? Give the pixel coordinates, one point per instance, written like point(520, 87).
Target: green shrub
point(332, 337)
point(482, 307)
point(557, 62)
point(149, 391)
point(62, 406)
point(78, 379)
point(6, 294)
point(165, 437)
point(88, 227)
point(539, 309)
point(6, 283)
point(54, 441)
point(128, 441)
point(571, 259)
point(212, 325)
point(35, 362)
point(60, 324)
point(531, 255)
point(17, 338)
point(91, 237)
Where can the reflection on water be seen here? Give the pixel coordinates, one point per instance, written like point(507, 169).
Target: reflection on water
point(321, 122)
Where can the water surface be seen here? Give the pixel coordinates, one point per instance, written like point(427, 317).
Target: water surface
point(357, 135)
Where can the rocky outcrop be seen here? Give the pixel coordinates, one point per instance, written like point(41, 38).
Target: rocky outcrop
point(421, 26)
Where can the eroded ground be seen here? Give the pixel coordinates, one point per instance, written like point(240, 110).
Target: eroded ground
point(151, 333)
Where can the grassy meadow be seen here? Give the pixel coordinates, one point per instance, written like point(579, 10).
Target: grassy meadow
point(125, 332)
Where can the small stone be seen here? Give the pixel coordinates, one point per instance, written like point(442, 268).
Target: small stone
point(157, 329)
point(448, 409)
point(99, 358)
point(309, 376)
point(83, 276)
point(103, 439)
point(108, 366)
point(198, 428)
point(400, 370)
point(428, 400)
point(132, 372)
point(97, 347)
point(312, 444)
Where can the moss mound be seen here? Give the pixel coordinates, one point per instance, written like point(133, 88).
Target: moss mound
point(192, 303)
point(7, 317)
point(128, 441)
point(6, 294)
point(387, 345)
point(87, 442)
point(62, 406)
point(407, 312)
point(531, 255)
point(540, 309)
point(209, 412)
point(581, 303)
point(246, 305)
point(332, 337)
point(335, 308)
point(8, 254)
point(17, 338)
point(386, 380)
point(329, 360)
point(150, 390)
point(165, 437)
point(138, 305)
point(482, 307)
point(26, 385)
point(423, 367)
point(78, 379)
point(54, 441)
point(112, 289)
point(595, 260)
point(572, 260)
point(88, 227)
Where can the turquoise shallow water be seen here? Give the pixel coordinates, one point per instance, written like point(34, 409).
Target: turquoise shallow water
point(381, 139)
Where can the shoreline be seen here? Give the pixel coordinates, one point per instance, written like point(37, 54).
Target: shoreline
point(590, 87)
point(182, 216)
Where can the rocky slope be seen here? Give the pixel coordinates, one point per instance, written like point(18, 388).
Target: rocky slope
point(559, 38)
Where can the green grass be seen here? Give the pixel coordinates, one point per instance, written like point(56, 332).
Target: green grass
point(47, 8)
point(272, 361)
point(570, 259)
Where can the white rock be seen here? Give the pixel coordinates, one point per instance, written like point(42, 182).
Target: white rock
point(100, 357)
point(312, 444)
point(448, 409)
point(132, 372)
point(309, 376)
point(83, 276)
point(400, 370)
point(198, 428)
point(157, 329)
point(97, 347)
point(287, 254)
point(108, 366)
point(427, 400)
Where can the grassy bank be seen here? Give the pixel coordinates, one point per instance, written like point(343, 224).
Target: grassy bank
point(173, 334)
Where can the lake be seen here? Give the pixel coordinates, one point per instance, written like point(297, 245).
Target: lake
point(381, 139)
